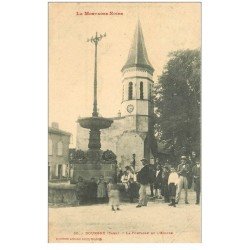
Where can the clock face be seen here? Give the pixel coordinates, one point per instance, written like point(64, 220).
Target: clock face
point(130, 108)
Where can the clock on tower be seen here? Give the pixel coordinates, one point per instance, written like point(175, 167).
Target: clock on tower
point(130, 108)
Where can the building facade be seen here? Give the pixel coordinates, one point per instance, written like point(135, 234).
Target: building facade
point(58, 165)
point(132, 129)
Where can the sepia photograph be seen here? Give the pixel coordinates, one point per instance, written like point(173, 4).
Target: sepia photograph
point(124, 132)
point(125, 124)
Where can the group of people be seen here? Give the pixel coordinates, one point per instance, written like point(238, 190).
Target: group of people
point(165, 181)
point(168, 181)
point(128, 181)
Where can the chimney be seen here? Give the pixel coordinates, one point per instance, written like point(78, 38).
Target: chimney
point(55, 125)
point(119, 113)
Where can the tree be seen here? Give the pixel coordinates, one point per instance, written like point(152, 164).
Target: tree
point(177, 103)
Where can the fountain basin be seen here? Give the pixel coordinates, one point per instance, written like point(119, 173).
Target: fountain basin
point(95, 122)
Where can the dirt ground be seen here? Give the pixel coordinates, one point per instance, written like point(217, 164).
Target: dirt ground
point(157, 222)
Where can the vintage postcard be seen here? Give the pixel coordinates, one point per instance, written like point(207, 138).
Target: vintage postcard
point(124, 151)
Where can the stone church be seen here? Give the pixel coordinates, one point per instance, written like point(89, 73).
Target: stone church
point(132, 130)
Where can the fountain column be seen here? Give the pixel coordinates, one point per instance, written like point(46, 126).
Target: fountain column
point(96, 40)
point(95, 123)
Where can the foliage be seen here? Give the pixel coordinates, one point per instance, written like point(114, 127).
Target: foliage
point(108, 155)
point(177, 103)
point(76, 156)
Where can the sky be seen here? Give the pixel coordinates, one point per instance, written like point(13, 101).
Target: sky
point(166, 27)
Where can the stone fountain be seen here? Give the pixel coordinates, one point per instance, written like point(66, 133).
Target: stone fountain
point(96, 162)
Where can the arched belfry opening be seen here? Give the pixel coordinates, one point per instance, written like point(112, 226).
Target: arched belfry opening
point(141, 91)
point(130, 91)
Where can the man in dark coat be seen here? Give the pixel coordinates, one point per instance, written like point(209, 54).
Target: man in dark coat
point(92, 190)
point(119, 176)
point(143, 177)
point(192, 162)
point(165, 176)
point(81, 191)
point(197, 181)
point(132, 190)
point(152, 170)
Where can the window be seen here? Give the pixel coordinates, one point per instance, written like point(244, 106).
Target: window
point(50, 147)
point(141, 90)
point(59, 148)
point(130, 91)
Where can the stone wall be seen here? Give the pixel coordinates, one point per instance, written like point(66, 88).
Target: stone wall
point(66, 194)
point(88, 171)
point(62, 193)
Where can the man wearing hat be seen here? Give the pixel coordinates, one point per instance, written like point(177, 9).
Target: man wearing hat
point(183, 170)
point(192, 162)
point(197, 181)
point(143, 177)
point(81, 189)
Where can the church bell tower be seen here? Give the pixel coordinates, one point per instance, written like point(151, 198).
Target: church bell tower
point(137, 74)
point(137, 108)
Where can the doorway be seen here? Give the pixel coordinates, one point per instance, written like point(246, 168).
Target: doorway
point(59, 173)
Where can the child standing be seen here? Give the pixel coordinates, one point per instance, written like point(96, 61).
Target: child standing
point(101, 190)
point(125, 180)
point(158, 182)
point(113, 194)
point(173, 181)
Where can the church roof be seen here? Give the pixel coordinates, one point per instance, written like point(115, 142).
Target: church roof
point(138, 56)
point(58, 131)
